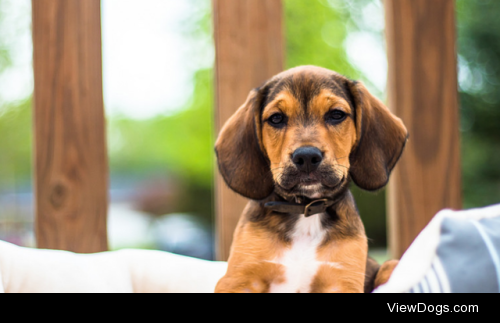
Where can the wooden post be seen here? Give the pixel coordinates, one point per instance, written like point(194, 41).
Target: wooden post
point(71, 172)
point(249, 50)
point(421, 41)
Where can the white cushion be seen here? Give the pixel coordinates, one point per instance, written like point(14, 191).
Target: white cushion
point(25, 270)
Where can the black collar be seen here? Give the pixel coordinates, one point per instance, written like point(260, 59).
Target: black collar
point(309, 209)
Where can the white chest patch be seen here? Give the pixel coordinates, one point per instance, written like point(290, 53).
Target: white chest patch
point(300, 260)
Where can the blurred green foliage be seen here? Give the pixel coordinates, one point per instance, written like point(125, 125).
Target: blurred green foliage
point(178, 147)
point(15, 123)
point(315, 34)
point(15, 145)
point(180, 143)
point(479, 50)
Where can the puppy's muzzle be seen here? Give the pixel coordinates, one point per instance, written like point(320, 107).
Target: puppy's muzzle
point(307, 159)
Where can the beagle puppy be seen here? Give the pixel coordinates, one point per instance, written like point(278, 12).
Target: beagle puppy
point(292, 148)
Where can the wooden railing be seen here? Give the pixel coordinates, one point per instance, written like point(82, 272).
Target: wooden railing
point(423, 91)
point(71, 162)
point(71, 168)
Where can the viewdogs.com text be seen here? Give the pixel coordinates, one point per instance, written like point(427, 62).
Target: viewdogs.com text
point(438, 309)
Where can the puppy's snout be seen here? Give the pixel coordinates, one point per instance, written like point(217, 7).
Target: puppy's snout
point(307, 159)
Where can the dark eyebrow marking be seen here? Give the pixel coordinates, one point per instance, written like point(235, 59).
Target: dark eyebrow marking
point(273, 92)
point(305, 87)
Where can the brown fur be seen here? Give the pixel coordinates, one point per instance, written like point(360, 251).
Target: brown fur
point(254, 158)
point(385, 272)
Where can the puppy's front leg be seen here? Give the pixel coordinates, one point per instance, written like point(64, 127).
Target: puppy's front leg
point(250, 266)
point(385, 272)
point(240, 285)
point(343, 266)
point(250, 277)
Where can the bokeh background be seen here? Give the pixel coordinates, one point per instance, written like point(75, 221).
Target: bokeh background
point(158, 58)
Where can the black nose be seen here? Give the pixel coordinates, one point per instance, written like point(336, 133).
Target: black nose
point(307, 159)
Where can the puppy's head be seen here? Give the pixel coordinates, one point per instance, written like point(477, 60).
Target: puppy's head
point(305, 133)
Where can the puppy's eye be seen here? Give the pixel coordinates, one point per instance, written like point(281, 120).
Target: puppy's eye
point(335, 116)
point(277, 120)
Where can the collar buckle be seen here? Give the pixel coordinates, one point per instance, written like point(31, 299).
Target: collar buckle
point(315, 207)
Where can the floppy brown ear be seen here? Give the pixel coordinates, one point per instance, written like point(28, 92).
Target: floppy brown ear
point(381, 137)
point(241, 161)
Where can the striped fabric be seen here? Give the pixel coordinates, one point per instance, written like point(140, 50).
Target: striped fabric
point(458, 252)
point(467, 258)
point(436, 280)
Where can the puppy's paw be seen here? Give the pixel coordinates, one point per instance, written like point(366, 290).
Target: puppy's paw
point(385, 272)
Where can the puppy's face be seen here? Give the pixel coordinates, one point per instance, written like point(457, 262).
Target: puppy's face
point(305, 133)
point(308, 133)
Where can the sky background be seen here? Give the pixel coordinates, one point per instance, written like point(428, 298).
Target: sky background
point(148, 61)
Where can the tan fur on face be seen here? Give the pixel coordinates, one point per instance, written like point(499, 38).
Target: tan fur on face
point(308, 128)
